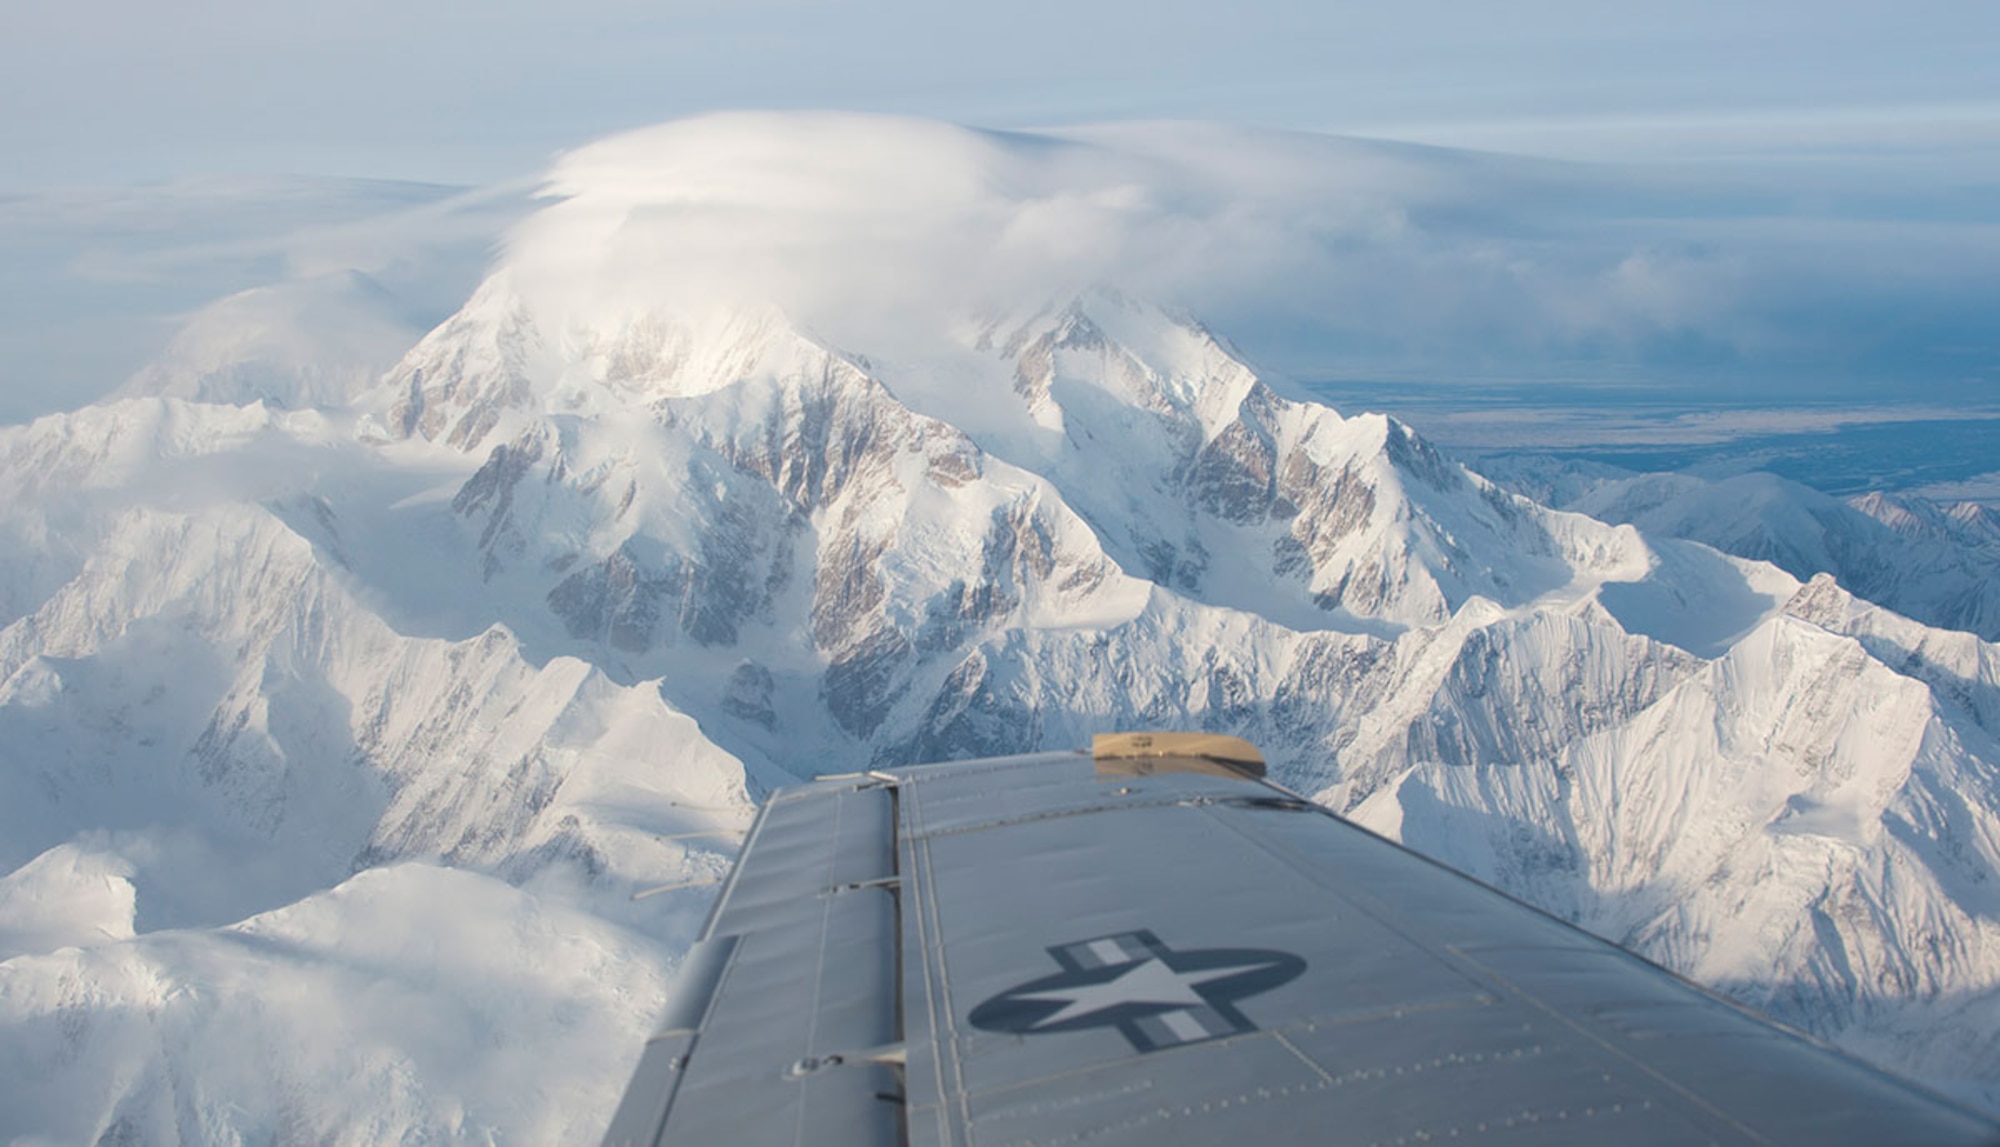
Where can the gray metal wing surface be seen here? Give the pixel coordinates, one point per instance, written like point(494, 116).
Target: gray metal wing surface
point(1056, 949)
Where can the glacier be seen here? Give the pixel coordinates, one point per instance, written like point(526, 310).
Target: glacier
point(370, 744)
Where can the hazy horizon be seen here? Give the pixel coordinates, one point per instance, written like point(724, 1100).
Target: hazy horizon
point(118, 92)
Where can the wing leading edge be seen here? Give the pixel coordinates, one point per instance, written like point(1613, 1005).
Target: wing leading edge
point(1158, 947)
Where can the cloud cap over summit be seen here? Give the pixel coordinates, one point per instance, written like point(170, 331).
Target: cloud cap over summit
point(1321, 255)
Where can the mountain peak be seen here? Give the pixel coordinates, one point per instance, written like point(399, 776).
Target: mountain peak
point(310, 342)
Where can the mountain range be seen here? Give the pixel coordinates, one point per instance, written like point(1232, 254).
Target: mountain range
point(370, 743)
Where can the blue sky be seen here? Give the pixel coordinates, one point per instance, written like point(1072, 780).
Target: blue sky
point(116, 90)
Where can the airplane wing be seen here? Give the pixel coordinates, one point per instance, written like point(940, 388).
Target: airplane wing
point(1148, 944)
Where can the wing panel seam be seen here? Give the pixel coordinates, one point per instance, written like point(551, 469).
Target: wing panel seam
point(922, 907)
point(735, 871)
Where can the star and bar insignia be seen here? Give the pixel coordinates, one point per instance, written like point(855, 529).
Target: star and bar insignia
point(1155, 996)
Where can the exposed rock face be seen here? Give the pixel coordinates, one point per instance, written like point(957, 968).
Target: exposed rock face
point(462, 376)
point(748, 696)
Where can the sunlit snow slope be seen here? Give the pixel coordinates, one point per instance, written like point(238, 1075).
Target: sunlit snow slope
point(336, 743)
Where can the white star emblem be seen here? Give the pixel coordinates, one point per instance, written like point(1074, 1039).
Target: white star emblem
point(1155, 996)
point(1147, 982)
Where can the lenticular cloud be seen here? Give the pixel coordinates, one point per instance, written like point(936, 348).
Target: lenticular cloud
point(847, 219)
point(1310, 251)
point(836, 213)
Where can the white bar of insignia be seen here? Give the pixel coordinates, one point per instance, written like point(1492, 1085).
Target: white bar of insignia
point(1184, 1025)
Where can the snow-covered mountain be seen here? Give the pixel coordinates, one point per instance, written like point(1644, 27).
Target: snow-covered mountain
point(230, 784)
point(311, 342)
point(1937, 563)
point(343, 750)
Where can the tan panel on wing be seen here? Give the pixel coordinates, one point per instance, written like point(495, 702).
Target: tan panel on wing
point(1147, 754)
